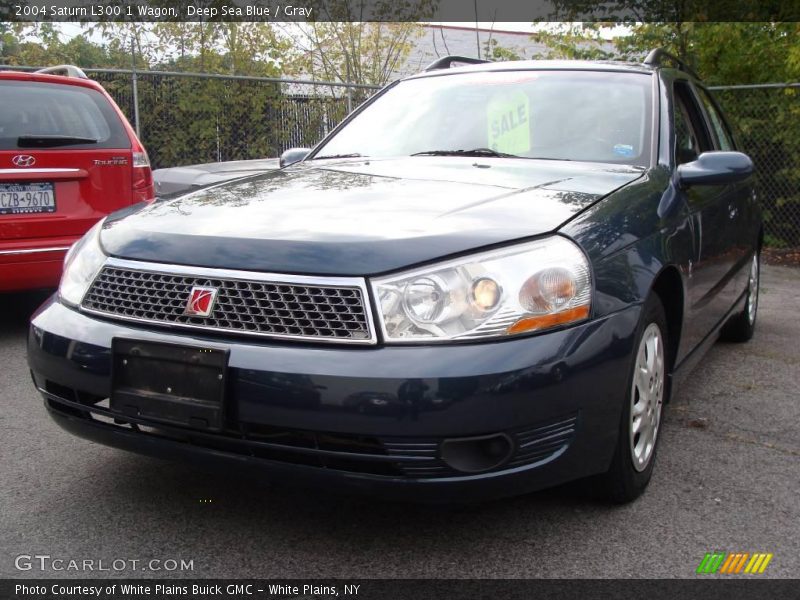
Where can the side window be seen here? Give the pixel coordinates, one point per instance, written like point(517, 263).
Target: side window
point(724, 140)
point(691, 137)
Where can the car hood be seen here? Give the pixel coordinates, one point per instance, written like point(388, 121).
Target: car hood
point(181, 180)
point(362, 217)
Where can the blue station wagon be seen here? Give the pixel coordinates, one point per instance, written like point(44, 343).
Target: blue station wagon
point(489, 279)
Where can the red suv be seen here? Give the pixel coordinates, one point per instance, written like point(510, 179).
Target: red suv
point(68, 157)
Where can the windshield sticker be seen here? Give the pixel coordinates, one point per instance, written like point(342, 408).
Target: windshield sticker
point(509, 116)
point(625, 150)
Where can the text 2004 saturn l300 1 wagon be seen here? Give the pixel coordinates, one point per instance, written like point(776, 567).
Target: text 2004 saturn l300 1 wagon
point(484, 282)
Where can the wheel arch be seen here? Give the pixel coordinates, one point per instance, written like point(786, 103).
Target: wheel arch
point(668, 286)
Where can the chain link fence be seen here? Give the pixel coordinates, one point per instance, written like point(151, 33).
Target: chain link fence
point(188, 119)
point(191, 118)
point(766, 119)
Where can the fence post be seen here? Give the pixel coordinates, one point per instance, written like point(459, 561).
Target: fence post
point(135, 87)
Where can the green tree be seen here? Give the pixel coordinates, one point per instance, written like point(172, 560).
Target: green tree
point(356, 52)
point(722, 53)
point(43, 45)
point(574, 41)
point(493, 51)
point(767, 120)
point(9, 43)
point(255, 49)
point(131, 39)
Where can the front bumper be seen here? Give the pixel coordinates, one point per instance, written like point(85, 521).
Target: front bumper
point(372, 418)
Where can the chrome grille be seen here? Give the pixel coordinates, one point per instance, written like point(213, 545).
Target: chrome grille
point(274, 308)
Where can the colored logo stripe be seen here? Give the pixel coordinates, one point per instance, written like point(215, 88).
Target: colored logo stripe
point(724, 563)
point(711, 562)
point(758, 563)
point(734, 562)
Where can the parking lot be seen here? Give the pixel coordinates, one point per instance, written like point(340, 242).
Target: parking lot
point(727, 479)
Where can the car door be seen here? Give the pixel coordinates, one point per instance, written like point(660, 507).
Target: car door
point(742, 205)
point(710, 290)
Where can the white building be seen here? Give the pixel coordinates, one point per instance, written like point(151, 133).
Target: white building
point(448, 40)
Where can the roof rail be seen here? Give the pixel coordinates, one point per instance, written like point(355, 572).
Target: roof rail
point(64, 70)
point(446, 62)
point(656, 56)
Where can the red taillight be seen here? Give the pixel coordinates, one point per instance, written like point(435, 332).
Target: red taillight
point(142, 182)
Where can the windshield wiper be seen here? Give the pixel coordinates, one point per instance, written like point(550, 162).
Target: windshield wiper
point(351, 155)
point(474, 152)
point(51, 141)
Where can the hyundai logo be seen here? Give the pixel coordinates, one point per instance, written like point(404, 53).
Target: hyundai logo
point(23, 160)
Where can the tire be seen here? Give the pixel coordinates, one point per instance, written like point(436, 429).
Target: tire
point(740, 327)
point(634, 457)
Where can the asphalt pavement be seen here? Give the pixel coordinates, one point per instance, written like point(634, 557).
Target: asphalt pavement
point(727, 479)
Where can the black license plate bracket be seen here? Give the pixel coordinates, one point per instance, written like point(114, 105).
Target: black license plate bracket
point(169, 383)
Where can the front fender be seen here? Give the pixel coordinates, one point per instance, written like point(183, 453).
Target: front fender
point(631, 239)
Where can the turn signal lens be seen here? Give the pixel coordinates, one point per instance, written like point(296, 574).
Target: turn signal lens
point(548, 290)
point(545, 321)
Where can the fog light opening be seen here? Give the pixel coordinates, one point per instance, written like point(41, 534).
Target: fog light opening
point(476, 454)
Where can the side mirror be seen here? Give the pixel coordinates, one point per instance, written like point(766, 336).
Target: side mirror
point(716, 168)
point(293, 155)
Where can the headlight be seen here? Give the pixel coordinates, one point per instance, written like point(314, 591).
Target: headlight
point(513, 290)
point(81, 265)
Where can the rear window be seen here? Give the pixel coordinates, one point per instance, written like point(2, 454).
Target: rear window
point(31, 109)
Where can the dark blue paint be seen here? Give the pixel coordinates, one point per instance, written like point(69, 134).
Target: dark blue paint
point(360, 217)
point(364, 217)
point(716, 168)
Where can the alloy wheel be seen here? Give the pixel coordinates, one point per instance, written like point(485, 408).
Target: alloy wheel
point(752, 286)
point(647, 395)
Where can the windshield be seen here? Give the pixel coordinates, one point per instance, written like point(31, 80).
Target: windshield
point(560, 115)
